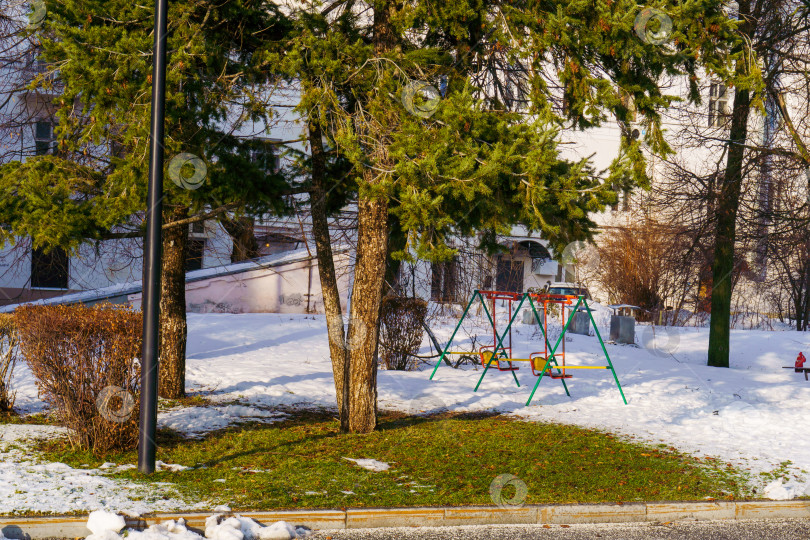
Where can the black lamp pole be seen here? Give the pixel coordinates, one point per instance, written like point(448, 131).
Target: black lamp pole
point(152, 251)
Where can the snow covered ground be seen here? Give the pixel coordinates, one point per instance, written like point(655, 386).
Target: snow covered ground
point(27, 485)
point(754, 414)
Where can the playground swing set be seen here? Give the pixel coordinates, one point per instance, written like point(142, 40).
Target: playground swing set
point(548, 362)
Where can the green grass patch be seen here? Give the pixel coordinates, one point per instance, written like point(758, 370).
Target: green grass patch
point(10, 417)
point(194, 400)
point(437, 460)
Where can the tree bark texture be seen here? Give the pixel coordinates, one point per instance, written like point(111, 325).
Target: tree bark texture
point(327, 274)
point(173, 328)
point(370, 265)
point(369, 273)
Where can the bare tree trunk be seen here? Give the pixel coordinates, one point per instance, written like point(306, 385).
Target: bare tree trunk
point(725, 235)
point(326, 271)
point(372, 247)
point(173, 328)
point(805, 284)
point(369, 270)
point(242, 233)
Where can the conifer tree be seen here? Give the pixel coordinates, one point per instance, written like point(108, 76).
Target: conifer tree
point(93, 187)
point(413, 95)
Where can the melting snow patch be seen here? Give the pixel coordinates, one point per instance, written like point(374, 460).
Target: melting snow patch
point(370, 464)
point(174, 467)
point(28, 485)
point(197, 421)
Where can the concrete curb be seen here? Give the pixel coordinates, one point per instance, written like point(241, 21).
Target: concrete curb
point(74, 526)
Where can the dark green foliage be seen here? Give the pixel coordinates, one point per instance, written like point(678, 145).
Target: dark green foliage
point(99, 58)
point(479, 164)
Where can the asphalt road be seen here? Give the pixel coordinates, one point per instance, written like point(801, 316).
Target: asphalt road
point(789, 529)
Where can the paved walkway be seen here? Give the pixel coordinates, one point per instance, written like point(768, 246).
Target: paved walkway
point(792, 529)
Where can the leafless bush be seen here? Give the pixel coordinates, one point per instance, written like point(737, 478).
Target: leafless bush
point(85, 363)
point(401, 331)
point(646, 264)
point(8, 343)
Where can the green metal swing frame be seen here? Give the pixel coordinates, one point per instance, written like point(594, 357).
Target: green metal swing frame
point(550, 360)
point(499, 341)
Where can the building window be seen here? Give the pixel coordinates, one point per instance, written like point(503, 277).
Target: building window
point(49, 270)
point(510, 276)
point(43, 138)
point(719, 115)
point(444, 281)
point(198, 227)
point(265, 156)
point(194, 254)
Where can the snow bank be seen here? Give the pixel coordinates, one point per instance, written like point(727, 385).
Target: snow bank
point(100, 523)
point(168, 530)
point(240, 528)
point(108, 526)
point(779, 491)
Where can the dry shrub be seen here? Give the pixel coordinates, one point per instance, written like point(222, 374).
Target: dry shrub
point(647, 264)
point(8, 358)
point(401, 330)
point(85, 363)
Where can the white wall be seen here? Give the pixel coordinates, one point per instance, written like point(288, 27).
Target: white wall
point(279, 289)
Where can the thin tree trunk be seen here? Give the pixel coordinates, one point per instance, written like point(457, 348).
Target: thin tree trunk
point(241, 231)
point(372, 248)
point(725, 235)
point(326, 271)
point(369, 270)
point(805, 284)
point(173, 328)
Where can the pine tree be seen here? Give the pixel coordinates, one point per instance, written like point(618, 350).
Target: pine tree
point(464, 160)
point(94, 186)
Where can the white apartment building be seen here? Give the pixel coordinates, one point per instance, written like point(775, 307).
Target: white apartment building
point(28, 274)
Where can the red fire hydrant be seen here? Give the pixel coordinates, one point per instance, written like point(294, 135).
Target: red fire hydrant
point(800, 360)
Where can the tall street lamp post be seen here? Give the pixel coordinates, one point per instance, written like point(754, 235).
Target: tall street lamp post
point(152, 251)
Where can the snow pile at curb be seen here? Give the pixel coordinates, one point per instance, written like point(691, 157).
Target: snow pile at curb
point(108, 526)
point(104, 524)
point(779, 491)
point(218, 527)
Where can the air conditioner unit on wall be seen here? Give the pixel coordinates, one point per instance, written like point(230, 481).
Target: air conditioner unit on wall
point(544, 266)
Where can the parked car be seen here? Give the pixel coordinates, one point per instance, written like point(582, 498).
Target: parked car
point(571, 289)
